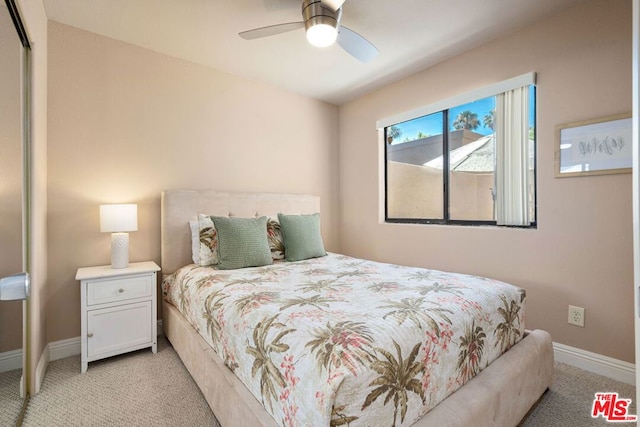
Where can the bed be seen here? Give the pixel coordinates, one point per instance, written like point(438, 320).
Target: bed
point(499, 395)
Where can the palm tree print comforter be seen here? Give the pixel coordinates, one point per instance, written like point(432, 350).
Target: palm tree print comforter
point(338, 341)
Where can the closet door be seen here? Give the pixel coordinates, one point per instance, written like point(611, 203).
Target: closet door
point(13, 113)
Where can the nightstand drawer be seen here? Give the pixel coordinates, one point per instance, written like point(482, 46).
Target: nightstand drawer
point(119, 289)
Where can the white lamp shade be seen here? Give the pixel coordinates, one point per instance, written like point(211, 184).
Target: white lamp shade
point(118, 218)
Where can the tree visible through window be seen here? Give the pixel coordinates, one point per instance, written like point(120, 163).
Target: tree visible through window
point(445, 167)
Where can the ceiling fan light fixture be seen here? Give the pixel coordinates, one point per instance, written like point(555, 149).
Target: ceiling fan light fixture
point(322, 35)
point(321, 21)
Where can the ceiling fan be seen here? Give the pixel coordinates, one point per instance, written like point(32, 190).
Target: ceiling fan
point(321, 20)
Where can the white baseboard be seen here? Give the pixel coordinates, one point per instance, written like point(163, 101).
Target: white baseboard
point(41, 369)
point(11, 360)
point(64, 348)
point(597, 363)
point(73, 346)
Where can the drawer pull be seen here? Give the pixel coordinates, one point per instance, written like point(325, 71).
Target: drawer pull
point(90, 334)
point(121, 290)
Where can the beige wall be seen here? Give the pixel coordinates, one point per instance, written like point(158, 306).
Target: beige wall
point(126, 123)
point(581, 252)
point(416, 192)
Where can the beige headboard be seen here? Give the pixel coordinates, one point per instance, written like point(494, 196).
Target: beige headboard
point(178, 207)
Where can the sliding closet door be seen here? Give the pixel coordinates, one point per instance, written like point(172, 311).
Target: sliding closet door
point(15, 113)
point(11, 181)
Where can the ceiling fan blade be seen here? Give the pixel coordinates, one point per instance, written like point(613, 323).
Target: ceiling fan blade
point(333, 4)
point(356, 45)
point(270, 30)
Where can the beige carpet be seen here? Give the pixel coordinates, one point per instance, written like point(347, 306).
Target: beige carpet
point(569, 401)
point(143, 389)
point(136, 389)
point(10, 401)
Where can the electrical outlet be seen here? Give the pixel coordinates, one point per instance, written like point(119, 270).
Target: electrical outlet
point(576, 316)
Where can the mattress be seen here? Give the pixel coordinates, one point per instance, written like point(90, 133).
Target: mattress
point(338, 340)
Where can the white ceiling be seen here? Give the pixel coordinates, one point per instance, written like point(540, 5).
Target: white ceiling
point(410, 34)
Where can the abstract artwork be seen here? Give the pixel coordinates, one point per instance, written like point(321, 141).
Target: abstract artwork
point(594, 147)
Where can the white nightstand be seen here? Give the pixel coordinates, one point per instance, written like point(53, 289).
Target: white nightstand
point(118, 310)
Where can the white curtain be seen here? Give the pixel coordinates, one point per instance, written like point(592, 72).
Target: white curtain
point(512, 157)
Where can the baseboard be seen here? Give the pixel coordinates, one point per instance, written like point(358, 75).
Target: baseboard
point(11, 360)
point(41, 369)
point(72, 346)
point(64, 348)
point(23, 392)
point(597, 363)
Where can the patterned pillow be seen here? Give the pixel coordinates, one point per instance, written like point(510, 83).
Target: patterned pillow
point(276, 242)
point(208, 241)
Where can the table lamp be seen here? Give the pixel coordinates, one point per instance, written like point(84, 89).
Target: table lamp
point(119, 220)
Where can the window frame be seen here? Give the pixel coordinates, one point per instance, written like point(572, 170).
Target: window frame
point(528, 79)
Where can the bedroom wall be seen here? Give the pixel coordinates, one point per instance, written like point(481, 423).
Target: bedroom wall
point(581, 252)
point(126, 123)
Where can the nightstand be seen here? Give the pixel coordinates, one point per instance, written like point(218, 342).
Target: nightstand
point(118, 310)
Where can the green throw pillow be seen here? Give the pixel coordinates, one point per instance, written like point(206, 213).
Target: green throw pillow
point(242, 242)
point(301, 235)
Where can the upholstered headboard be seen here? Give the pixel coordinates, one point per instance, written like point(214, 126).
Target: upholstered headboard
point(178, 207)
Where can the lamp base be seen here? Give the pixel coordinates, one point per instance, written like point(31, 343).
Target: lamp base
point(119, 250)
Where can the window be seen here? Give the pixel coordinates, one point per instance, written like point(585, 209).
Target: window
point(468, 160)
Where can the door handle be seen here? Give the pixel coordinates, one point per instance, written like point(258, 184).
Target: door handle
point(14, 287)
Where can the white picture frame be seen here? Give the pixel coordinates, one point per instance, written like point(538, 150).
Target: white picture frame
point(594, 147)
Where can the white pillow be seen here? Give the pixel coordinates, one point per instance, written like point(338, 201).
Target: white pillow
point(208, 238)
point(194, 226)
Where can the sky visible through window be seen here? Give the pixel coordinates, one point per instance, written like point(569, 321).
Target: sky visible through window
point(432, 124)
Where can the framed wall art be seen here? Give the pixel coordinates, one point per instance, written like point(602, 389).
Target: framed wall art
point(594, 147)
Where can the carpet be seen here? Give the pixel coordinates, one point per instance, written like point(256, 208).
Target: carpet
point(10, 397)
point(569, 400)
point(134, 389)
